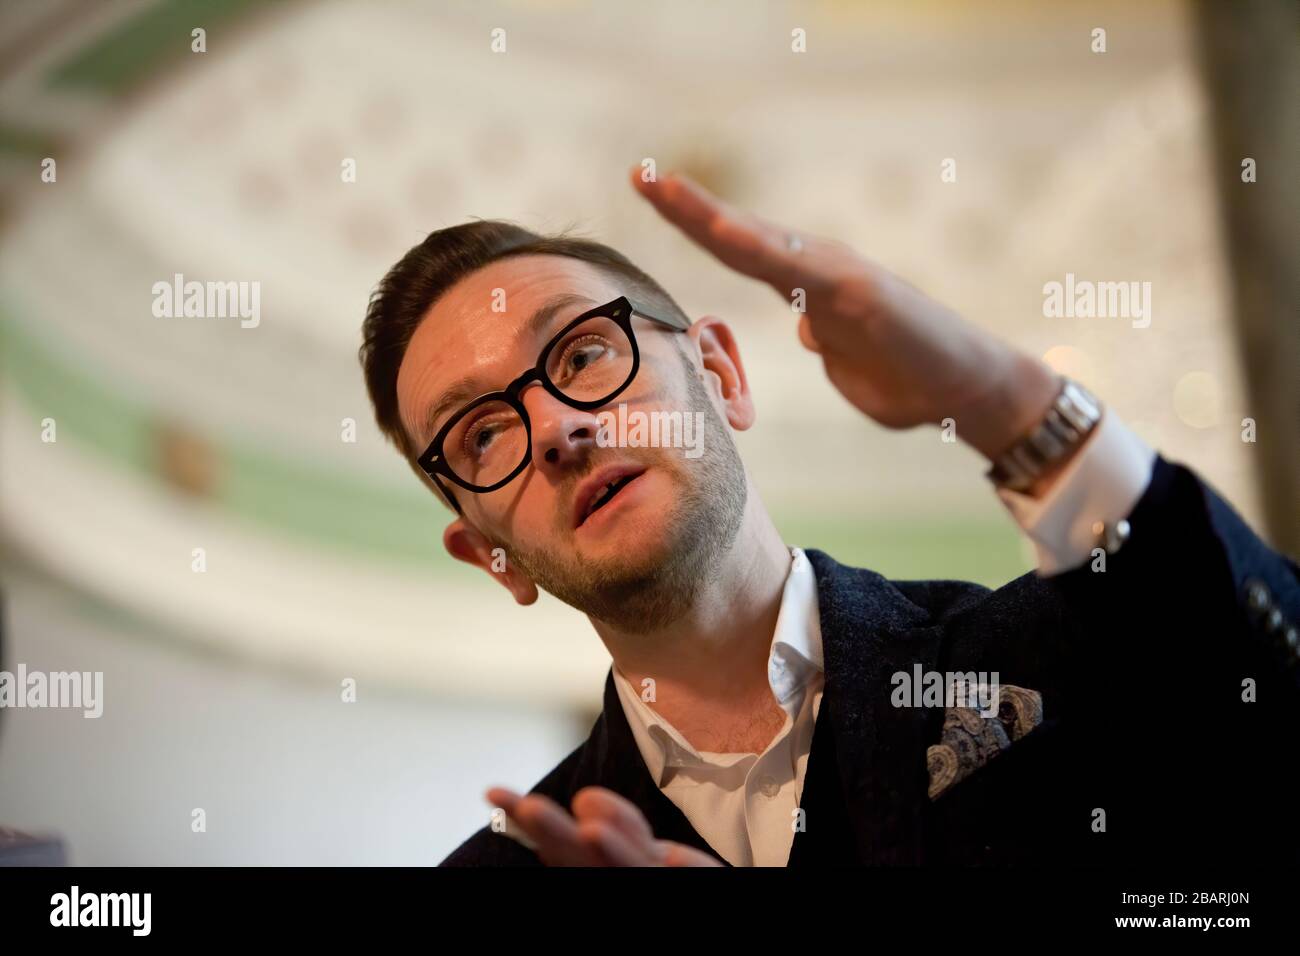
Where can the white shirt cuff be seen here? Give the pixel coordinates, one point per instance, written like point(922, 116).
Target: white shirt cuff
point(1102, 483)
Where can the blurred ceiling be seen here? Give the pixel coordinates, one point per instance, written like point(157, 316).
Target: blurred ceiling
point(324, 554)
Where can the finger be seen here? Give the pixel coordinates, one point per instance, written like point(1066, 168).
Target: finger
point(554, 832)
point(602, 804)
point(502, 797)
point(677, 854)
point(615, 848)
point(741, 240)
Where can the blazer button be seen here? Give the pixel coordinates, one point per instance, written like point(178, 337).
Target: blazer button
point(1273, 622)
point(1258, 597)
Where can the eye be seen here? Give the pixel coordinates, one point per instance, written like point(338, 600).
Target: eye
point(583, 352)
point(480, 434)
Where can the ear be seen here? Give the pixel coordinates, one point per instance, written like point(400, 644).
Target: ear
point(466, 543)
point(723, 372)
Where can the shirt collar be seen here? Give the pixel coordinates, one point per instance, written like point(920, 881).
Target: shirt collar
point(795, 657)
point(797, 642)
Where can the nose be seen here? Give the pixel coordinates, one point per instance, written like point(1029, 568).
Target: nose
point(563, 436)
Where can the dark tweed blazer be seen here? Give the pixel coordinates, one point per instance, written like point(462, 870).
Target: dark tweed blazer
point(1124, 737)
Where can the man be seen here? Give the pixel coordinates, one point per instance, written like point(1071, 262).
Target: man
point(1133, 700)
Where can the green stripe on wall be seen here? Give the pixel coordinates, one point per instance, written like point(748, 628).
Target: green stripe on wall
point(141, 45)
point(255, 483)
point(27, 141)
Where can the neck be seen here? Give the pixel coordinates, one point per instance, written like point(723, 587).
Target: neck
point(710, 665)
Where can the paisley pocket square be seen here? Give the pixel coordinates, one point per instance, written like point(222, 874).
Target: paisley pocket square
point(970, 740)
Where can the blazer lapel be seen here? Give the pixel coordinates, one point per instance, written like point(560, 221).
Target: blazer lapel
point(873, 751)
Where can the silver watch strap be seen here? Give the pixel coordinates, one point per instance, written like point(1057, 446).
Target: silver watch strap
point(1072, 417)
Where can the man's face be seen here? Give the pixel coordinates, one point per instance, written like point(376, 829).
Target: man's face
point(637, 560)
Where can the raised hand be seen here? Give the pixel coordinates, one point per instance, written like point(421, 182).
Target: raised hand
point(897, 355)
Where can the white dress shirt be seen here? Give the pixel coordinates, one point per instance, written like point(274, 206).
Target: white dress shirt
point(745, 805)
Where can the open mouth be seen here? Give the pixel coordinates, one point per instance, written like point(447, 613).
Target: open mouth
point(607, 493)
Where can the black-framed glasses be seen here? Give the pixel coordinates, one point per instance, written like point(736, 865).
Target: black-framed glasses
point(489, 440)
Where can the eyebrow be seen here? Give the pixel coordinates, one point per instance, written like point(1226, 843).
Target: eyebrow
point(468, 387)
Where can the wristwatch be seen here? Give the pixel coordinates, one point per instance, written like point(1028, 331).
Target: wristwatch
point(1074, 414)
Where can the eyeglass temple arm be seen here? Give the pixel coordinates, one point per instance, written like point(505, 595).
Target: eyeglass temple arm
point(445, 493)
point(670, 323)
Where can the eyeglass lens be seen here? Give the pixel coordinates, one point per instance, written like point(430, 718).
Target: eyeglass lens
point(591, 363)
